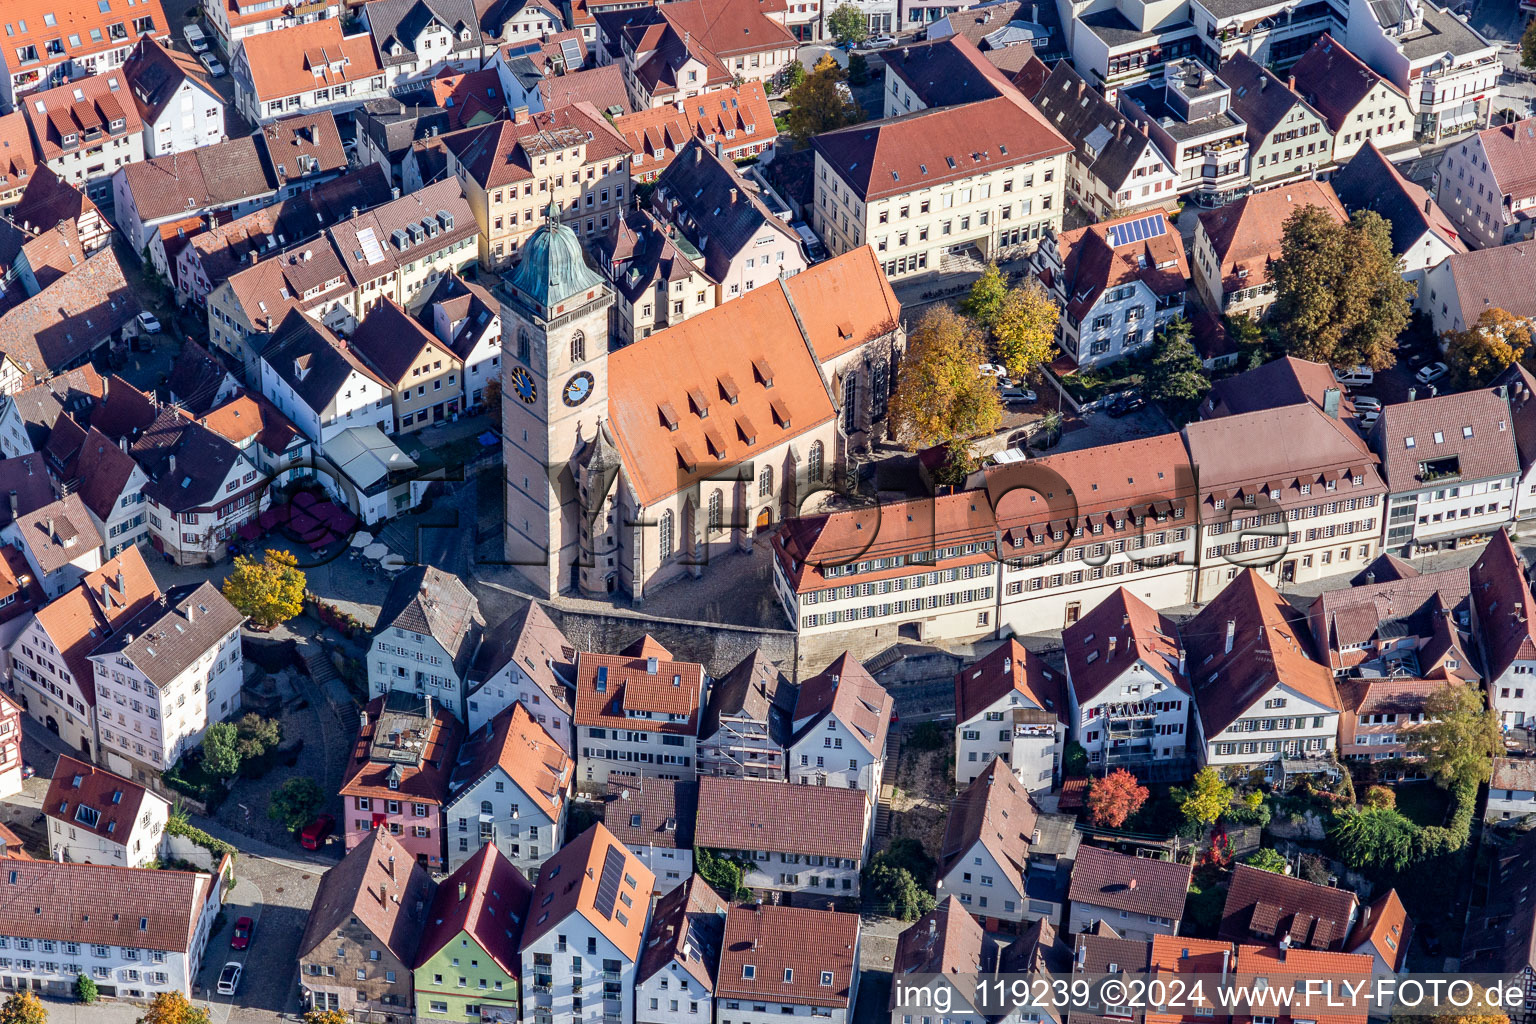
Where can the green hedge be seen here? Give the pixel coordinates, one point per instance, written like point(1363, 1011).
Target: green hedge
point(218, 847)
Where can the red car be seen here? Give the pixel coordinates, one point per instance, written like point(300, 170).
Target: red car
point(315, 832)
point(242, 937)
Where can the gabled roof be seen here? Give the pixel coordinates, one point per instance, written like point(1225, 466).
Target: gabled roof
point(596, 877)
point(1501, 598)
point(300, 58)
point(187, 464)
point(248, 415)
point(59, 533)
point(754, 689)
point(198, 379)
point(101, 471)
point(406, 748)
point(1122, 630)
point(938, 145)
point(1108, 143)
point(1384, 929)
point(1270, 906)
point(1279, 382)
point(17, 157)
point(846, 691)
point(485, 899)
point(1500, 276)
point(57, 115)
point(1288, 446)
point(426, 600)
point(798, 955)
point(1267, 648)
point(78, 621)
point(1010, 668)
point(756, 814)
point(302, 146)
point(1511, 153)
point(399, 22)
point(156, 72)
point(1515, 773)
point(506, 151)
point(1119, 881)
point(996, 811)
point(169, 635)
point(379, 884)
point(48, 199)
point(1389, 606)
point(687, 926)
point(1471, 427)
point(312, 361)
point(946, 72)
point(1293, 966)
point(1246, 235)
point(110, 802)
point(1502, 937)
point(945, 941)
point(391, 342)
point(1260, 97)
point(70, 318)
point(1093, 262)
point(1335, 81)
point(516, 744)
point(532, 640)
point(63, 902)
point(711, 203)
point(651, 813)
point(643, 677)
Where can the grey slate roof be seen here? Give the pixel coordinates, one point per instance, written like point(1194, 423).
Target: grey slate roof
point(173, 632)
point(1370, 182)
point(754, 689)
point(1107, 142)
point(185, 461)
point(697, 186)
point(390, 21)
point(426, 600)
point(329, 362)
point(1258, 96)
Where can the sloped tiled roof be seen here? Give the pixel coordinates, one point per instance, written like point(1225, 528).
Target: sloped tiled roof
point(846, 691)
point(172, 633)
point(1118, 881)
point(1010, 668)
point(1372, 182)
point(1246, 234)
point(568, 884)
point(115, 800)
point(68, 320)
point(757, 814)
point(1108, 143)
point(945, 941)
point(518, 745)
point(608, 686)
point(996, 811)
point(156, 72)
point(63, 902)
point(388, 723)
point(487, 900)
point(423, 599)
point(1271, 906)
point(531, 639)
point(1259, 97)
point(380, 885)
point(1092, 264)
point(792, 950)
point(1501, 597)
point(1384, 928)
point(1470, 426)
point(651, 813)
point(1335, 81)
point(686, 926)
point(1121, 630)
point(300, 58)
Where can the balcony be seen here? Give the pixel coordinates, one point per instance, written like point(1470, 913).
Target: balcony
point(1439, 470)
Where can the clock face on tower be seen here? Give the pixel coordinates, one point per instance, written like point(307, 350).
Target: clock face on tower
point(577, 388)
point(523, 386)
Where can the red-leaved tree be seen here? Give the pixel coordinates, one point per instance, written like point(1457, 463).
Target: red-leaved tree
point(1114, 798)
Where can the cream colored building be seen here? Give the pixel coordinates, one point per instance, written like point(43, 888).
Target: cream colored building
point(512, 170)
point(901, 186)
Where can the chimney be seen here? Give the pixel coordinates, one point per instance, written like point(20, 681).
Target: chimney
point(429, 711)
point(1181, 661)
point(650, 666)
point(463, 891)
point(354, 212)
point(121, 589)
point(1331, 402)
point(520, 116)
point(720, 152)
point(394, 193)
point(49, 524)
point(188, 611)
point(1285, 946)
point(1290, 83)
point(1413, 393)
point(1231, 633)
point(1428, 202)
point(734, 194)
point(1111, 654)
point(391, 870)
point(1370, 577)
point(1132, 885)
point(172, 462)
point(1263, 81)
point(1226, 955)
point(122, 443)
point(1008, 665)
point(106, 598)
point(254, 256)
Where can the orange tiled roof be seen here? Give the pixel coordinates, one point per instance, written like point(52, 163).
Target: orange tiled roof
point(283, 62)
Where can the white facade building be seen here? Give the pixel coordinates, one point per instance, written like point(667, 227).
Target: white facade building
point(1008, 705)
point(96, 817)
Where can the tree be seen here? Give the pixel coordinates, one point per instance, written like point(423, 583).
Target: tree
point(894, 891)
point(821, 103)
point(1253, 345)
point(173, 1008)
point(327, 1017)
point(268, 592)
point(791, 76)
point(1528, 47)
point(848, 25)
point(23, 1008)
point(1206, 798)
point(257, 735)
point(1074, 761)
point(85, 989)
point(1478, 354)
point(221, 753)
point(1176, 375)
point(1024, 329)
point(1460, 737)
point(1477, 1009)
point(1114, 798)
point(1339, 294)
point(295, 803)
point(1376, 838)
point(858, 69)
point(941, 396)
point(1268, 860)
point(985, 299)
point(1380, 796)
point(722, 874)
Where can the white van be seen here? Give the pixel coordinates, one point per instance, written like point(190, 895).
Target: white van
point(1357, 377)
point(195, 38)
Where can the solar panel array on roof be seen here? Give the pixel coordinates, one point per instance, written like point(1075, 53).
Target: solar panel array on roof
point(571, 51)
point(608, 882)
point(1138, 230)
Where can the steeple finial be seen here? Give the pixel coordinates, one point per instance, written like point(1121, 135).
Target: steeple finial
point(552, 212)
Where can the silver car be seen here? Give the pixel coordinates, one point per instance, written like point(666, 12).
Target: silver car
point(229, 979)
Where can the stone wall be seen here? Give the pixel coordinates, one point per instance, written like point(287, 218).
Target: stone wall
point(715, 646)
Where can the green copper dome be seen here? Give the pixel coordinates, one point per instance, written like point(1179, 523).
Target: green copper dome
point(553, 268)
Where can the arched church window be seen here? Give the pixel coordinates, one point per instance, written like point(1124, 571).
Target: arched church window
point(715, 512)
point(814, 460)
point(664, 534)
point(525, 346)
point(765, 482)
point(578, 347)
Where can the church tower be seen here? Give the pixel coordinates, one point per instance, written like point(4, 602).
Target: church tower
point(554, 392)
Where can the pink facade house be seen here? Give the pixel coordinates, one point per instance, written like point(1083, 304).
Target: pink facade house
point(399, 773)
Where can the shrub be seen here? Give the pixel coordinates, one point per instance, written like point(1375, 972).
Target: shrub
point(85, 989)
point(1380, 796)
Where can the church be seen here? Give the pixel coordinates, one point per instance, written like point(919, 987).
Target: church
point(628, 467)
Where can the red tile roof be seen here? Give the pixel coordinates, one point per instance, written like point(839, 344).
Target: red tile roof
point(668, 128)
point(686, 927)
point(1501, 599)
point(1119, 881)
point(789, 955)
point(568, 884)
point(1262, 903)
point(1335, 81)
point(1384, 928)
point(84, 109)
point(414, 741)
point(610, 687)
point(1471, 427)
point(757, 814)
point(1119, 630)
point(79, 28)
point(996, 811)
point(63, 902)
point(946, 940)
point(517, 744)
point(378, 885)
point(114, 799)
point(1246, 234)
point(17, 157)
point(284, 61)
point(846, 691)
point(1091, 264)
point(1293, 968)
point(1011, 668)
point(1511, 151)
point(486, 898)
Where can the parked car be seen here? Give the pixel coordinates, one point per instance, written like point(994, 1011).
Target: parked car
point(243, 931)
point(1126, 403)
point(1011, 391)
point(27, 771)
point(211, 62)
point(1356, 377)
point(1368, 419)
point(229, 979)
point(1431, 373)
point(195, 38)
point(315, 832)
point(148, 323)
point(993, 370)
point(878, 43)
point(1365, 403)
